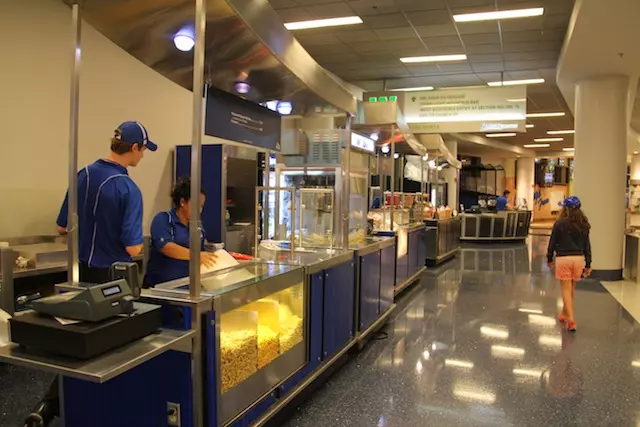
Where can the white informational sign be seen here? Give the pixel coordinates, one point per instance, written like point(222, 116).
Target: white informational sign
point(490, 109)
point(363, 143)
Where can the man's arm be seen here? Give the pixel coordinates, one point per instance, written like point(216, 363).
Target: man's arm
point(131, 234)
point(63, 215)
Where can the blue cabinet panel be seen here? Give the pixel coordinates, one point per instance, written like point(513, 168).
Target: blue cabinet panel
point(413, 253)
point(339, 296)
point(136, 398)
point(369, 289)
point(387, 276)
point(402, 268)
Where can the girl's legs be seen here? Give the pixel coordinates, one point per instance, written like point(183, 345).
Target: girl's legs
point(567, 298)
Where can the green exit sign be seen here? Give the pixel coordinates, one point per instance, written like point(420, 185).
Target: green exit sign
point(393, 98)
point(382, 98)
point(373, 99)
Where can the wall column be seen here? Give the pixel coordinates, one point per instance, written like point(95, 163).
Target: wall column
point(510, 179)
point(451, 175)
point(524, 181)
point(600, 167)
point(635, 166)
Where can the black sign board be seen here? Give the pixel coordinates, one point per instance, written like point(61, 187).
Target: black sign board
point(230, 117)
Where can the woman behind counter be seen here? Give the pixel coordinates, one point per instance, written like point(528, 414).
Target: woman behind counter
point(169, 251)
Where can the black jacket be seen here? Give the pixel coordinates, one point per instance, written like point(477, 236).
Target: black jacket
point(566, 240)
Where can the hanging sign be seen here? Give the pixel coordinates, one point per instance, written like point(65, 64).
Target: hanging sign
point(467, 110)
point(230, 117)
point(363, 143)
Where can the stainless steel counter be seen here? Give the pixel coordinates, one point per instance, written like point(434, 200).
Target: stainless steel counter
point(631, 255)
point(103, 368)
point(314, 260)
point(498, 226)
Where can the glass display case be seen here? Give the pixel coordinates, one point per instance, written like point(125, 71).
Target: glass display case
point(408, 208)
point(261, 336)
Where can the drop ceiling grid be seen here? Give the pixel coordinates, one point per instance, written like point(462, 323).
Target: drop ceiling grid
point(370, 53)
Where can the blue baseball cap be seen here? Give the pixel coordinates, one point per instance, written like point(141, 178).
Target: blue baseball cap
point(571, 202)
point(134, 133)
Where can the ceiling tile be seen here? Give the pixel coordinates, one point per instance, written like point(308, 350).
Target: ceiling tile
point(522, 75)
point(395, 33)
point(530, 46)
point(457, 67)
point(484, 48)
point(329, 10)
point(365, 46)
point(394, 45)
point(433, 17)
point(492, 57)
point(385, 21)
point(487, 66)
point(413, 5)
point(469, 39)
point(512, 66)
point(481, 27)
point(445, 50)
point(329, 49)
point(449, 41)
point(357, 36)
point(282, 4)
point(532, 56)
point(554, 22)
point(458, 80)
point(436, 30)
point(422, 69)
point(316, 2)
point(318, 39)
point(534, 23)
point(294, 14)
point(487, 4)
point(373, 7)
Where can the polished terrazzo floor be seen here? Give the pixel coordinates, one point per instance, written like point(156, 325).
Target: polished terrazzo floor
point(476, 344)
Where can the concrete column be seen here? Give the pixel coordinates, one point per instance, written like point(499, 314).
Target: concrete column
point(635, 166)
point(510, 179)
point(600, 167)
point(451, 175)
point(316, 123)
point(524, 180)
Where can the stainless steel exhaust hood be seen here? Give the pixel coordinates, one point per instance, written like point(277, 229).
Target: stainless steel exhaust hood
point(246, 42)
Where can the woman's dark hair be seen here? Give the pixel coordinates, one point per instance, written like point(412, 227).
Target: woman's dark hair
point(182, 191)
point(576, 218)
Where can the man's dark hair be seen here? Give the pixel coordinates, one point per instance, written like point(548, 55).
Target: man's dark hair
point(118, 146)
point(182, 191)
point(506, 193)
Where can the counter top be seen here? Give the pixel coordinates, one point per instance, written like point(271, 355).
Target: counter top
point(47, 268)
point(497, 213)
point(103, 368)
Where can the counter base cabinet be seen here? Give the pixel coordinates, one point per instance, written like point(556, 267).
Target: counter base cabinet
point(339, 293)
point(136, 398)
point(501, 226)
point(387, 277)
point(369, 289)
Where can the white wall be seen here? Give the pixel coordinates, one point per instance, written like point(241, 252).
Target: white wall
point(35, 40)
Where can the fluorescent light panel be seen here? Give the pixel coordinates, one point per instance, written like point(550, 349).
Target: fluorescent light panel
point(414, 89)
point(554, 114)
point(568, 149)
point(529, 125)
point(500, 135)
point(320, 23)
point(517, 100)
point(548, 139)
point(560, 132)
point(433, 58)
point(537, 145)
point(499, 14)
point(516, 82)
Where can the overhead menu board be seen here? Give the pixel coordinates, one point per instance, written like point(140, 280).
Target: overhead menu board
point(230, 117)
point(467, 110)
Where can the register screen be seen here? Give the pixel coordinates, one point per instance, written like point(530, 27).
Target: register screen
point(107, 292)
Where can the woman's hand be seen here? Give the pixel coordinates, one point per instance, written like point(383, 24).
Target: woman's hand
point(208, 259)
point(550, 264)
point(587, 272)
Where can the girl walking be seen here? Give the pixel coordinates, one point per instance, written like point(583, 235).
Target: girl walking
point(572, 248)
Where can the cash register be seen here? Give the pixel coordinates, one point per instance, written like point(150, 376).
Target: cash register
point(86, 320)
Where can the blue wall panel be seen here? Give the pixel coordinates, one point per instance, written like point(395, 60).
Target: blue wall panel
point(212, 218)
point(402, 267)
point(387, 276)
point(369, 289)
point(339, 296)
point(136, 398)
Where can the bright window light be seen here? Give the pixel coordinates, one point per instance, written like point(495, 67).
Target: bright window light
point(320, 23)
point(568, 149)
point(516, 82)
point(561, 132)
point(548, 139)
point(529, 126)
point(500, 14)
point(414, 89)
point(433, 58)
point(537, 145)
point(554, 114)
point(500, 135)
point(183, 42)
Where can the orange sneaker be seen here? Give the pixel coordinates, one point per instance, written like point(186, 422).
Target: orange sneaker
point(562, 318)
point(571, 326)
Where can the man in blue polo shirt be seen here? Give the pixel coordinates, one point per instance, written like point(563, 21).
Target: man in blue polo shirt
point(109, 224)
point(110, 205)
point(502, 202)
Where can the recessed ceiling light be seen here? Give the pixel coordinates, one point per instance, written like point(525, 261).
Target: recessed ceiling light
point(184, 42)
point(537, 145)
point(414, 89)
point(560, 132)
point(635, 152)
point(320, 23)
point(572, 149)
point(433, 58)
point(548, 139)
point(501, 14)
point(517, 100)
point(554, 114)
point(529, 125)
point(499, 135)
point(516, 82)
